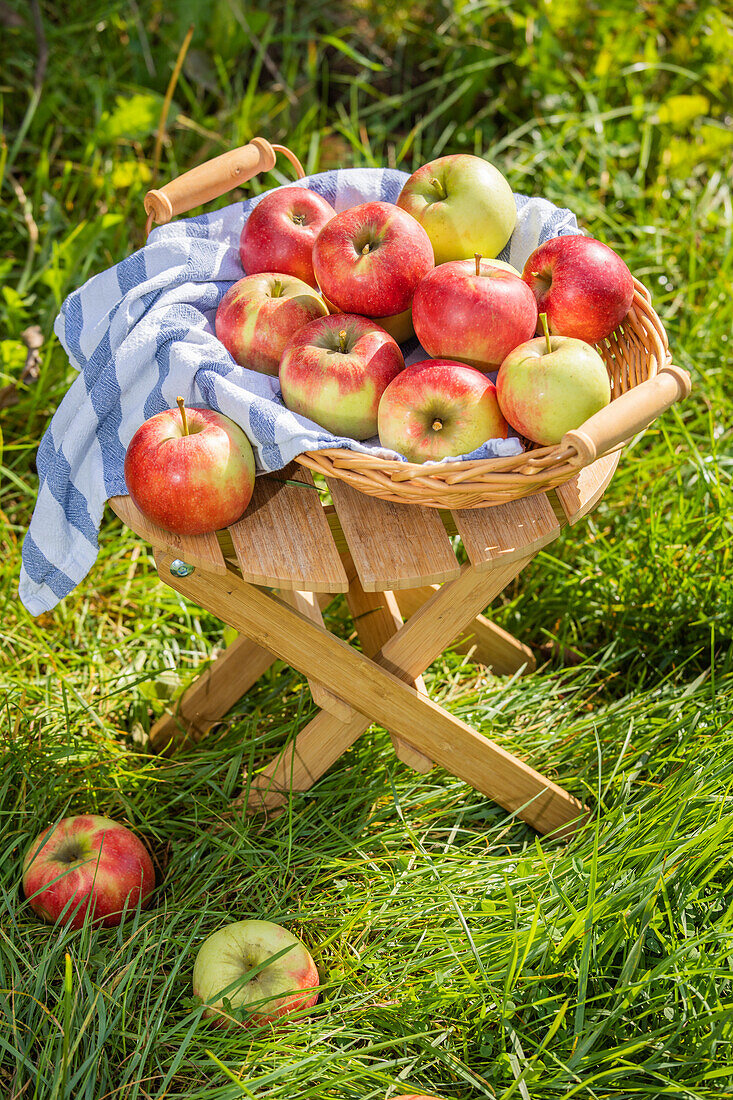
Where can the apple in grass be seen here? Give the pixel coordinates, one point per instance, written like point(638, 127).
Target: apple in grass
point(473, 311)
point(87, 864)
point(551, 385)
point(335, 370)
point(369, 259)
point(190, 470)
point(258, 315)
point(464, 204)
point(280, 232)
point(261, 968)
point(582, 285)
point(438, 409)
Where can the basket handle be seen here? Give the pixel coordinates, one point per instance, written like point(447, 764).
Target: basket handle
point(214, 178)
point(628, 414)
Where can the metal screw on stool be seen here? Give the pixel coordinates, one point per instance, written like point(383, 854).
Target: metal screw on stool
point(181, 568)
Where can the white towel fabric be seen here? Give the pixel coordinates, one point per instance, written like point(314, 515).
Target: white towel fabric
point(142, 333)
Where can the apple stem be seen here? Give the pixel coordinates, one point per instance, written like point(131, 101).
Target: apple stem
point(477, 258)
point(437, 424)
point(342, 340)
point(365, 249)
point(438, 187)
point(546, 330)
point(179, 402)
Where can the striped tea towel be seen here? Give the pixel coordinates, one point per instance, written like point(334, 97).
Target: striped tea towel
point(142, 333)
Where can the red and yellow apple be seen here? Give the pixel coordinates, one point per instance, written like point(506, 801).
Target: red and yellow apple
point(280, 232)
point(190, 470)
point(473, 311)
point(87, 864)
point(583, 286)
point(369, 259)
point(551, 385)
point(258, 315)
point(234, 963)
point(335, 370)
point(465, 205)
point(437, 409)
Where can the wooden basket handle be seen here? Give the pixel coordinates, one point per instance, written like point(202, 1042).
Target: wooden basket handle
point(628, 414)
point(214, 178)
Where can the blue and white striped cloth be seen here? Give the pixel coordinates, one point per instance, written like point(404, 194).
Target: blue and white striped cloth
point(142, 333)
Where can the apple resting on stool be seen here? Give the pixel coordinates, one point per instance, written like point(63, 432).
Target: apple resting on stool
point(190, 470)
point(226, 959)
point(87, 863)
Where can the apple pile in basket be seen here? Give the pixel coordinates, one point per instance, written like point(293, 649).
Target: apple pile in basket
point(325, 300)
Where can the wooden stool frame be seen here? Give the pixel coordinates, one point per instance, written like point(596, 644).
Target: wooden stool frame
point(394, 562)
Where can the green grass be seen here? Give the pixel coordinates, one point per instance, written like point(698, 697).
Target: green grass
point(460, 954)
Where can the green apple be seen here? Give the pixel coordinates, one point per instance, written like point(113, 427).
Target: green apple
point(551, 385)
point(464, 204)
point(234, 963)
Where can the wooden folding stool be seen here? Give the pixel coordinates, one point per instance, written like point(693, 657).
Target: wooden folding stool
point(394, 562)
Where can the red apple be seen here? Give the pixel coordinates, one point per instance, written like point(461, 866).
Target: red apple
point(369, 259)
point(582, 285)
point(438, 408)
point(190, 470)
point(473, 311)
point(465, 205)
point(551, 385)
point(258, 315)
point(335, 370)
point(89, 864)
point(280, 231)
point(224, 965)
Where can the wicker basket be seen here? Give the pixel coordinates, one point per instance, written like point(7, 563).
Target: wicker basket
point(644, 383)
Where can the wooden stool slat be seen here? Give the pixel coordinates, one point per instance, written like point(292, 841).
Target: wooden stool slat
point(579, 496)
point(506, 532)
point(283, 540)
point(200, 550)
point(393, 545)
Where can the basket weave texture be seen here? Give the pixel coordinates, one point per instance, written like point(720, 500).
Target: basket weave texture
point(633, 353)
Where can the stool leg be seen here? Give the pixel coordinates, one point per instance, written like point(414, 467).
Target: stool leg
point(377, 618)
point(489, 644)
point(307, 604)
